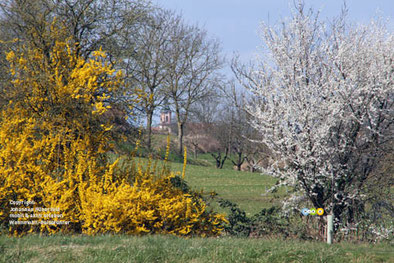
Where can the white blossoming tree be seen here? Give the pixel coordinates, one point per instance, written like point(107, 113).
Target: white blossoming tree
point(323, 103)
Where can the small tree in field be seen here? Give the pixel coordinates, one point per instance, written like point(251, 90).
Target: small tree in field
point(324, 106)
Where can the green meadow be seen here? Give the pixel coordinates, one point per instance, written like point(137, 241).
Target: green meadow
point(120, 248)
point(248, 190)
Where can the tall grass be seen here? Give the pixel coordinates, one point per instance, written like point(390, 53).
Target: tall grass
point(172, 249)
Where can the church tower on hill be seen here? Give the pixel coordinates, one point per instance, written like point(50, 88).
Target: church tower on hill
point(165, 118)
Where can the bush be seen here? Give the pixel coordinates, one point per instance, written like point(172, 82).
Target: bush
point(54, 145)
point(151, 204)
point(267, 222)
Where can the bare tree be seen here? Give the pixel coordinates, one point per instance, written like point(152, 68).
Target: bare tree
point(230, 126)
point(236, 118)
point(255, 153)
point(145, 62)
point(192, 62)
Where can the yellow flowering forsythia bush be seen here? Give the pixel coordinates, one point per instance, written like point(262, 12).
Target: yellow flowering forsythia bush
point(53, 146)
point(150, 204)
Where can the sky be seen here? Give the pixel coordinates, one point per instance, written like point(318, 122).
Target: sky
point(236, 22)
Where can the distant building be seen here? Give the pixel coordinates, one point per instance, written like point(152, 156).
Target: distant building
point(165, 121)
point(165, 116)
point(197, 136)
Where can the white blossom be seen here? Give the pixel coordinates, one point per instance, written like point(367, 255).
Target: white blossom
point(324, 105)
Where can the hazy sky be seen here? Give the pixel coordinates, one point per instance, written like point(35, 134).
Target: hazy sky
point(236, 22)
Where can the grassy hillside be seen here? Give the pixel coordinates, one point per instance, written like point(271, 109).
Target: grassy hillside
point(246, 189)
point(172, 249)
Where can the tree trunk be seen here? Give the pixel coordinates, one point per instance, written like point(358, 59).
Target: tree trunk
point(180, 137)
point(219, 160)
point(240, 161)
point(149, 116)
point(195, 145)
point(224, 159)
